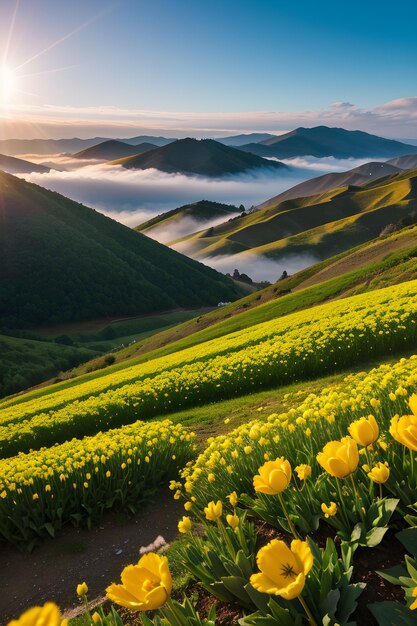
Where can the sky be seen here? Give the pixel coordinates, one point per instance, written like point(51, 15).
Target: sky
point(120, 67)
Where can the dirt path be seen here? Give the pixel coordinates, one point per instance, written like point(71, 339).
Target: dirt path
point(97, 556)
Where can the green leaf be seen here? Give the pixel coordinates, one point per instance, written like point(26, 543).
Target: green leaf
point(375, 536)
point(392, 614)
point(392, 574)
point(408, 538)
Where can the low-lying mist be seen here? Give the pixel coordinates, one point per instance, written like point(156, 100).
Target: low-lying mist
point(133, 196)
point(260, 268)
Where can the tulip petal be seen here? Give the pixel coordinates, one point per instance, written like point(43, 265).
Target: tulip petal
point(302, 550)
point(338, 468)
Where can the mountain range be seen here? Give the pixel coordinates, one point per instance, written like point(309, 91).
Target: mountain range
point(113, 149)
point(204, 157)
point(20, 166)
point(319, 225)
point(61, 261)
point(322, 141)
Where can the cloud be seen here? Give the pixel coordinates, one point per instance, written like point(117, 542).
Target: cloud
point(260, 268)
point(395, 118)
point(185, 226)
point(133, 196)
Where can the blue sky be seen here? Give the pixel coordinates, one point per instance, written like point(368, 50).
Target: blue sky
point(136, 60)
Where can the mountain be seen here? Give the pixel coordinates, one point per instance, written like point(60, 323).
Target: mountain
point(157, 141)
point(61, 261)
point(240, 140)
point(407, 162)
point(112, 149)
point(205, 157)
point(20, 166)
point(323, 141)
point(187, 218)
point(310, 228)
point(47, 146)
point(357, 176)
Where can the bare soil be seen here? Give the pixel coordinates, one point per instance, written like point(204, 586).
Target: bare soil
point(96, 556)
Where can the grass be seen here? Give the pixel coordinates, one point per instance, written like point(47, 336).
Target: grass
point(268, 304)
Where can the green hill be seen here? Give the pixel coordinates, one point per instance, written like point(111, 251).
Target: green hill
point(61, 261)
point(112, 149)
point(199, 212)
point(204, 157)
point(321, 225)
point(322, 141)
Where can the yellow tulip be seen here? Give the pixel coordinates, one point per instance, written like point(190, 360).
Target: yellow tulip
point(188, 506)
point(46, 615)
point(82, 590)
point(232, 520)
point(273, 477)
point(145, 586)
point(404, 430)
point(413, 605)
point(364, 430)
point(303, 471)
point(233, 498)
point(283, 570)
point(380, 473)
point(412, 402)
point(185, 524)
point(330, 510)
point(96, 617)
point(213, 510)
point(339, 458)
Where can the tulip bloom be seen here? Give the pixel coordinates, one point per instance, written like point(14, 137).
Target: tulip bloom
point(404, 429)
point(82, 590)
point(303, 471)
point(330, 510)
point(365, 430)
point(413, 605)
point(339, 458)
point(185, 524)
point(232, 520)
point(213, 510)
point(233, 498)
point(46, 615)
point(145, 586)
point(283, 570)
point(273, 477)
point(379, 474)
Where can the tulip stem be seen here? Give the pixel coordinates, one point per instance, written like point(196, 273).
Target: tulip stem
point(355, 491)
point(412, 465)
point(307, 611)
point(289, 520)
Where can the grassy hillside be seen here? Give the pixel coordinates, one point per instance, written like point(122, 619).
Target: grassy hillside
point(321, 225)
point(61, 261)
point(27, 362)
point(383, 262)
point(205, 157)
point(357, 176)
point(202, 211)
point(323, 141)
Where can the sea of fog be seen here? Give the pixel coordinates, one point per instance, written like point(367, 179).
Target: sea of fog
point(134, 196)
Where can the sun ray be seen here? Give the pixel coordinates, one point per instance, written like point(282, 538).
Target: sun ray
point(10, 34)
point(67, 36)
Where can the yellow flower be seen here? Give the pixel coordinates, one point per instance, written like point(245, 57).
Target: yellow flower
point(380, 473)
point(233, 498)
point(364, 430)
point(46, 615)
point(96, 618)
point(283, 569)
point(184, 525)
point(145, 586)
point(82, 590)
point(273, 477)
point(232, 520)
point(339, 458)
point(330, 510)
point(188, 506)
point(413, 606)
point(211, 478)
point(404, 430)
point(213, 510)
point(303, 471)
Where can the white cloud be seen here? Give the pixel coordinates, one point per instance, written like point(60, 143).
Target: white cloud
point(395, 118)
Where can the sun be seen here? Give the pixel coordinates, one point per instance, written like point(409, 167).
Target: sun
point(7, 83)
